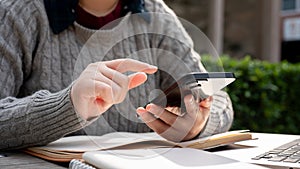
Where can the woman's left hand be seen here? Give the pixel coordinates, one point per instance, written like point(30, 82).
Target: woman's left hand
point(167, 123)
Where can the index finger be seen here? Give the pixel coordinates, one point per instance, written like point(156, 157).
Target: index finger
point(124, 65)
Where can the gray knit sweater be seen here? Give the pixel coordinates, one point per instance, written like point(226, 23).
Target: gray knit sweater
point(37, 69)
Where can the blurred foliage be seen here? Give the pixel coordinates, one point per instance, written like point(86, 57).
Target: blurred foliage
point(265, 96)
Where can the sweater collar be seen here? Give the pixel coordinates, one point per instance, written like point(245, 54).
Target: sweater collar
point(61, 13)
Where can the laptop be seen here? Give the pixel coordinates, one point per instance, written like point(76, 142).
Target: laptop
point(175, 158)
point(269, 150)
point(286, 155)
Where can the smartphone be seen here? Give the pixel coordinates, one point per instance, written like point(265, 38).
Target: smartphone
point(200, 85)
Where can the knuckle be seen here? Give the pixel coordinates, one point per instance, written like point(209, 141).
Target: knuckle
point(125, 82)
point(159, 130)
point(126, 60)
point(119, 94)
point(105, 89)
point(172, 121)
point(118, 99)
point(92, 65)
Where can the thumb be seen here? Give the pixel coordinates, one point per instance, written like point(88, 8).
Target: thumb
point(136, 79)
point(206, 102)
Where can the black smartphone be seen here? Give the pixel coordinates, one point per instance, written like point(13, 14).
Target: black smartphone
point(200, 85)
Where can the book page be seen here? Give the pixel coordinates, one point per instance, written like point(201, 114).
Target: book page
point(126, 140)
point(218, 139)
point(68, 148)
point(107, 141)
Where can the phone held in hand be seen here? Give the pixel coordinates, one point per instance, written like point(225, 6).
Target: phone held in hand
point(200, 85)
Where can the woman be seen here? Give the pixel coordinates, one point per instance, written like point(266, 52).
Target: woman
point(44, 42)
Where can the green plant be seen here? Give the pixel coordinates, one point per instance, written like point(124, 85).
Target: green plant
point(265, 96)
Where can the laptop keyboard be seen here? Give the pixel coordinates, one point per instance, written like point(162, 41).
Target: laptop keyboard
point(289, 152)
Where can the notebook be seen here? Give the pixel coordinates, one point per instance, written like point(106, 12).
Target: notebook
point(68, 148)
point(175, 158)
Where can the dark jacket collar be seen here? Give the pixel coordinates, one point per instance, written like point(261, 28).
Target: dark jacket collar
point(61, 13)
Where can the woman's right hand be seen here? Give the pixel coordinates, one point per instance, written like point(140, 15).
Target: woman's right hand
point(103, 84)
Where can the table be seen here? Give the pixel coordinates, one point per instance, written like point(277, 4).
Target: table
point(16, 159)
point(242, 151)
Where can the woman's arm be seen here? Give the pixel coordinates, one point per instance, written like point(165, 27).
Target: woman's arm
point(43, 116)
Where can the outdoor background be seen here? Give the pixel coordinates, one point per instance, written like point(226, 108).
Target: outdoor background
point(258, 40)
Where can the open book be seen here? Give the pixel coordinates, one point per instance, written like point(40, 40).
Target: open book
point(68, 148)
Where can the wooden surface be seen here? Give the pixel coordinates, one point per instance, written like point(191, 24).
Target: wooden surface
point(25, 161)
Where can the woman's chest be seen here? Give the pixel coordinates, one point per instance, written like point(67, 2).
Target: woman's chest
point(62, 59)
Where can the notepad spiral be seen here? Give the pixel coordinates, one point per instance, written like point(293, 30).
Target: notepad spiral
point(77, 164)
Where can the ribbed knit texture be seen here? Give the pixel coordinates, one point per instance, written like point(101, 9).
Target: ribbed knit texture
point(37, 69)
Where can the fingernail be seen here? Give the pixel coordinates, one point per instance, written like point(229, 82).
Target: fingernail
point(148, 107)
point(152, 67)
point(140, 111)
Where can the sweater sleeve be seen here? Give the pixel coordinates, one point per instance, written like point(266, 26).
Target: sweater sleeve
point(43, 116)
point(184, 60)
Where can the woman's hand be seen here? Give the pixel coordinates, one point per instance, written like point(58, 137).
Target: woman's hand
point(103, 84)
point(169, 125)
